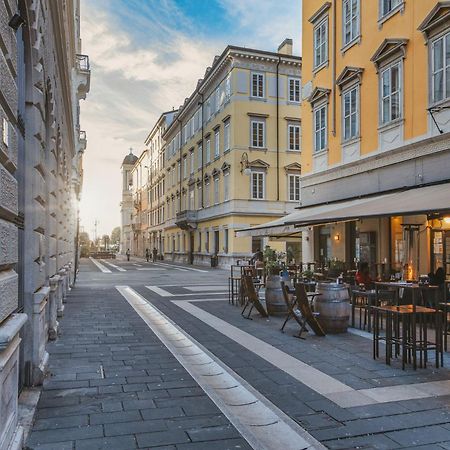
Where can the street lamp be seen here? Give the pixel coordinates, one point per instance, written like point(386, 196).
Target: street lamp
point(245, 166)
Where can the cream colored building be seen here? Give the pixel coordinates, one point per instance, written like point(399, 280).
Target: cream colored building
point(233, 155)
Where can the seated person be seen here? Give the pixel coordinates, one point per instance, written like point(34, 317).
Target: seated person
point(362, 275)
point(437, 278)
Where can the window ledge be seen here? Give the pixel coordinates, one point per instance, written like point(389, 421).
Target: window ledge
point(440, 103)
point(320, 152)
point(289, 150)
point(292, 102)
point(319, 68)
point(257, 99)
point(226, 150)
point(399, 8)
point(351, 141)
point(349, 45)
point(393, 124)
point(264, 149)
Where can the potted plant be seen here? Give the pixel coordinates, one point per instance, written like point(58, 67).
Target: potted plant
point(274, 263)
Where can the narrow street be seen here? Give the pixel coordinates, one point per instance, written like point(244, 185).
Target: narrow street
point(151, 355)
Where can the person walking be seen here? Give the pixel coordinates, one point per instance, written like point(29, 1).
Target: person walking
point(147, 254)
point(154, 254)
point(128, 254)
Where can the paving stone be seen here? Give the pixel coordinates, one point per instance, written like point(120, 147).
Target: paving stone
point(316, 421)
point(67, 445)
point(212, 433)
point(60, 422)
point(420, 436)
point(114, 417)
point(69, 434)
point(162, 438)
point(227, 444)
point(143, 426)
point(162, 413)
point(378, 442)
point(107, 443)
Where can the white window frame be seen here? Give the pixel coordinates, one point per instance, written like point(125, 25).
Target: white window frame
point(207, 198)
point(257, 143)
point(295, 194)
point(216, 191)
point(208, 150)
point(294, 90)
point(394, 5)
point(226, 136)
point(226, 186)
point(352, 115)
point(323, 126)
point(258, 193)
point(348, 25)
point(185, 167)
point(260, 83)
point(192, 161)
point(217, 143)
point(295, 129)
point(322, 45)
point(381, 97)
point(445, 69)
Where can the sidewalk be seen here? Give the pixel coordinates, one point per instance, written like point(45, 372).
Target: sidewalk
point(113, 385)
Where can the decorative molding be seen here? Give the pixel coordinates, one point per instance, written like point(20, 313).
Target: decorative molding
point(264, 116)
point(320, 13)
point(318, 94)
point(348, 75)
point(437, 19)
point(258, 164)
point(389, 49)
point(293, 167)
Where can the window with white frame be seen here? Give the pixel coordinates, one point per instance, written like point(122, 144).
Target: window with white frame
point(350, 22)
point(294, 187)
point(5, 131)
point(226, 186)
point(321, 43)
point(257, 185)
point(216, 190)
point(320, 128)
point(440, 67)
point(191, 198)
point(257, 88)
point(294, 90)
point(192, 161)
point(257, 133)
point(208, 150)
point(294, 137)
point(200, 156)
point(228, 88)
point(390, 101)
point(207, 194)
point(226, 136)
point(184, 167)
point(388, 5)
point(350, 113)
point(179, 171)
point(217, 143)
point(199, 196)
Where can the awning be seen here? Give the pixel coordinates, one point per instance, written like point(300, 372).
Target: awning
point(423, 200)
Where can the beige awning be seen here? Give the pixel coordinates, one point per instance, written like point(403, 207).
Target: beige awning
point(423, 200)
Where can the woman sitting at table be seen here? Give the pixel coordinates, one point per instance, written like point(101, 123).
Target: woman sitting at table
point(362, 275)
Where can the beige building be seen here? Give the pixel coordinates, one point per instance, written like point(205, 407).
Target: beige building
point(229, 158)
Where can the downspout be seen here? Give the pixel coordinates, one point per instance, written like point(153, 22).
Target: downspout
point(181, 157)
point(203, 151)
point(333, 66)
point(278, 130)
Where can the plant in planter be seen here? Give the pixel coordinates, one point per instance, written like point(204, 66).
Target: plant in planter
point(308, 275)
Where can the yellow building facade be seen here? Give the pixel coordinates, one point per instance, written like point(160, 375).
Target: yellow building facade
point(375, 119)
point(232, 155)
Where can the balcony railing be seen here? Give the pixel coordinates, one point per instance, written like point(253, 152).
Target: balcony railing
point(83, 63)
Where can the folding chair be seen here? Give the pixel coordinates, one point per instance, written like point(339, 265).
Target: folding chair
point(301, 299)
point(252, 299)
point(293, 312)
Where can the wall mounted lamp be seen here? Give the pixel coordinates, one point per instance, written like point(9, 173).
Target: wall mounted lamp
point(337, 237)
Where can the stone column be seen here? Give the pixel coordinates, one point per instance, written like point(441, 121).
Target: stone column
point(10, 434)
point(68, 277)
point(61, 295)
point(307, 247)
point(53, 308)
point(40, 334)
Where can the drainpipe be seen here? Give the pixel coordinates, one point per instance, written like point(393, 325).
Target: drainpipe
point(278, 130)
point(181, 158)
point(333, 65)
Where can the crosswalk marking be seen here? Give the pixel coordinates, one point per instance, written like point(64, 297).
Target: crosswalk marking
point(163, 293)
point(100, 266)
point(120, 269)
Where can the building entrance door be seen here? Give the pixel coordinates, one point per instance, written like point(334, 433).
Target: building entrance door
point(216, 242)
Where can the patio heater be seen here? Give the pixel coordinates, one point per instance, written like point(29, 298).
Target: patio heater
point(411, 238)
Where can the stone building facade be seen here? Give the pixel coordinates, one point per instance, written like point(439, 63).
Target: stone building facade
point(42, 78)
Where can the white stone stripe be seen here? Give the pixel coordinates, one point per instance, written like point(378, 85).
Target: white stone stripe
point(163, 293)
point(334, 390)
point(182, 267)
point(120, 269)
point(259, 421)
point(100, 266)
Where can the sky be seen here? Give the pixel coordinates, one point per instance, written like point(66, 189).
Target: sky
point(146, 57)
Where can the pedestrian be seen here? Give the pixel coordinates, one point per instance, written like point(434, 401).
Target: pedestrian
point(147, 254)
point(154, 254)
point(128, 254)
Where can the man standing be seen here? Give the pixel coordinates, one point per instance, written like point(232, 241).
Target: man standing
point(154, 254)
point(147, 254)
point(128, 254)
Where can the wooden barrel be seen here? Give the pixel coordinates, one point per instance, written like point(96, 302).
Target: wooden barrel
point(333, 306)
point(275, 303)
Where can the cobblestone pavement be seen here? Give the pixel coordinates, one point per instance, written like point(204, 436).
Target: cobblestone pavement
point(114, 385)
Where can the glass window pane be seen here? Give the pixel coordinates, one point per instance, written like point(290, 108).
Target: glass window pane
point(395, 78)
point(437, 55)
point(353, 131)
point(386, 83)
point(386, 115)
point(438, 86)
point(346, 128)
point(447, 78)
point(346, 104)
point(447, 50)
point(395, 105)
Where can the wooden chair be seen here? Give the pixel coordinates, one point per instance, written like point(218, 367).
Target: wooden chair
point(300, 310)
point(252, 298)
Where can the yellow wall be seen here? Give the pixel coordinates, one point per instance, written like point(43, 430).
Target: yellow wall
point(415, 73)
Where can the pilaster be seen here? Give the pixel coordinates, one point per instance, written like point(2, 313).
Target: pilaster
point(40, 334)
point(53, 308)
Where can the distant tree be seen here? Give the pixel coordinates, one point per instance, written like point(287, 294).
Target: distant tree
point(115, 236)
point(84, 238)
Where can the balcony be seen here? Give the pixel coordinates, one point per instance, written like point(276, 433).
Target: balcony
point(83, 76)
point(82, 141)
point(187, 220)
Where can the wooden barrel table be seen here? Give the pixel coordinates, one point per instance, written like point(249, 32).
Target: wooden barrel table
point(333, 306)
point(275, 303)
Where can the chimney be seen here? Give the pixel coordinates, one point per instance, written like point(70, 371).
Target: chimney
point(285, 48)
